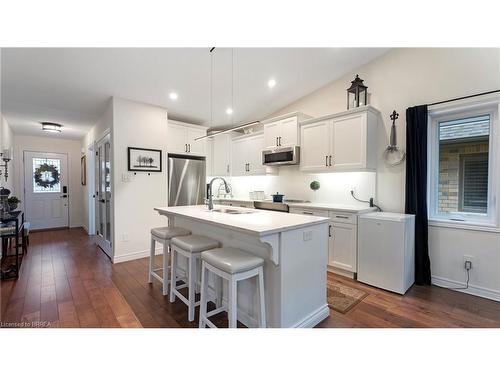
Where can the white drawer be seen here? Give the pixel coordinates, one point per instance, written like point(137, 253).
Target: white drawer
point(343, 217)
point(307, 211)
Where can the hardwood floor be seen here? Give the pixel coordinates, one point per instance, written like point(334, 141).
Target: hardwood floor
point(67, 281)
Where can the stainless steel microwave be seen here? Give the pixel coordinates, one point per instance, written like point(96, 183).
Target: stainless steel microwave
point(281, 156)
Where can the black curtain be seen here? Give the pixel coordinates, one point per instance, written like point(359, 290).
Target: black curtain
point(416, 187)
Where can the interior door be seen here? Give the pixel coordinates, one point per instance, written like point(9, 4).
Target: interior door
point(46, 189)
point(103, 195)
point(315, 139)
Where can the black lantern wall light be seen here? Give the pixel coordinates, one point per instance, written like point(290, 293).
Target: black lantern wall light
point(357, 94)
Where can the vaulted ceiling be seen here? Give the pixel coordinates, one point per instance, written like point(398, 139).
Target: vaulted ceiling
point(71, 86)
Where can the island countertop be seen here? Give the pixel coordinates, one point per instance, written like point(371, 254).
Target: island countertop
point(257, 222)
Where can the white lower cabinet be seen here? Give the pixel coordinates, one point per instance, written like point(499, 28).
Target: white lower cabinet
point(342, 241)
point(342, 249)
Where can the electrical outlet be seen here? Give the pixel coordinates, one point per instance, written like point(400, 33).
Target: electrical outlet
point(125, 237)
point(307, 235)
point(468, 261)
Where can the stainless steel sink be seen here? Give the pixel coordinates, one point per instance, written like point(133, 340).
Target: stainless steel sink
point(231, 211)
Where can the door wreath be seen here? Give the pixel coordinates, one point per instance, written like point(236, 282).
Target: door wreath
point(46, 176)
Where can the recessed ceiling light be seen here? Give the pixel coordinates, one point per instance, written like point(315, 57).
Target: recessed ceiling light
point(229, 111)
point(173, 96)
point(271, 83)
point(51, 127)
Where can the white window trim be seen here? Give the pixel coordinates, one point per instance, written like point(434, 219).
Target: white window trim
point(465, 108)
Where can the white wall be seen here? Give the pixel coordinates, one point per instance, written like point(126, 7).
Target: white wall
point(45, 144)
point(136, 125)
point(406, 77)
point(7, 142)
point(335, 187)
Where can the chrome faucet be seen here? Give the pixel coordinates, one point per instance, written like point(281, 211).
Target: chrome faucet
point(209, 200)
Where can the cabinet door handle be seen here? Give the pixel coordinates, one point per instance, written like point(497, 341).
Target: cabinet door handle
point(185, 147)
point(330, 160)
point(280, 141)
point(307, 213)
point(342, 217)
point(189, 147)
point(326, 161)
point(277, 141)
point(329, 231)
point(227, 169)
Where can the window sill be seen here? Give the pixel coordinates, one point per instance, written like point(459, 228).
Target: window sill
point(474, 226)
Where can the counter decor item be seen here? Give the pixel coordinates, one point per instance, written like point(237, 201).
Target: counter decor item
point(13, 202)
point(144, 159)
point(314, 185)
point(278, 198)
point(393, 155)
point(357, 94)
point(4, 204)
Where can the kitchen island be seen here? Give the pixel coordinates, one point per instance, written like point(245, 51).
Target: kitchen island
point(295, 250)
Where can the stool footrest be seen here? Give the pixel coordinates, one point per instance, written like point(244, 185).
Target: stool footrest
point(216, 311)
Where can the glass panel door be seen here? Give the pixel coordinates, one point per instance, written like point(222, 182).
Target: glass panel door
point(103, 195)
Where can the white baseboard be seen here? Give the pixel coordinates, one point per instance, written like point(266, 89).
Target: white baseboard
point(473, 289)
point(314, 318)
point(136, 255)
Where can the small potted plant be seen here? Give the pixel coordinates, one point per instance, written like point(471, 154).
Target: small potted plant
point(13, 202)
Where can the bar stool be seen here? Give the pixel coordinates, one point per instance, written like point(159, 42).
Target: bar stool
point(190, 247)
point(233, 265)
point(163, 235)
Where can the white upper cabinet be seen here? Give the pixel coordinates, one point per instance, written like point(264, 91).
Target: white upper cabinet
point(283, 131)
point(221, 155)
point(341, 142)
point(181, 139)
point(289, 132)
point(272, 133)
point(247, 156)
point(209, 163)
point(196, 147)
point(315, 146)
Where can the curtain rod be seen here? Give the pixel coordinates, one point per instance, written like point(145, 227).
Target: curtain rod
point(464, 97)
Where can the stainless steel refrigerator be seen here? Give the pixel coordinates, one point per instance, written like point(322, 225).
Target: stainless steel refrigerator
point(186, 180)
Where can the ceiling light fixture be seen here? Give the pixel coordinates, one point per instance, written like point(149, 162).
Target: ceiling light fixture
point(173, 96)
point(229, 111)
point(271, 83)
point(51, 127)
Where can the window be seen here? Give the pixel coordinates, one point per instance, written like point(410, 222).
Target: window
point(46, 175)
point(460, 166)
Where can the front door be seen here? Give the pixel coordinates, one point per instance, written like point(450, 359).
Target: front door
point(103, 195)
point(46, 192)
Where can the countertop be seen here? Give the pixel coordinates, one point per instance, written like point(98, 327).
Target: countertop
point(354, 208)
point(256, 222)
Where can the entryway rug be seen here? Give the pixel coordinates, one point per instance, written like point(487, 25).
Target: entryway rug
point(342, 298)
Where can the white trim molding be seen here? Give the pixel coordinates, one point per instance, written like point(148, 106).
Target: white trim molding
point(473, 289)
point(136, 255)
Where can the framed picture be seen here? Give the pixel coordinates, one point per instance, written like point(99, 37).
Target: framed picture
point(144, 160)
point(83, 169)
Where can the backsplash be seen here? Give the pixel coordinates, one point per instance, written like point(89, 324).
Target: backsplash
point(335, 187)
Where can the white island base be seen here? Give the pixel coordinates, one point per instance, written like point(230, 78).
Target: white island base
point(295, 249)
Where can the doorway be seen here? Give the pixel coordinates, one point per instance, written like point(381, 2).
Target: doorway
point(46, 194)
point(103, 195)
